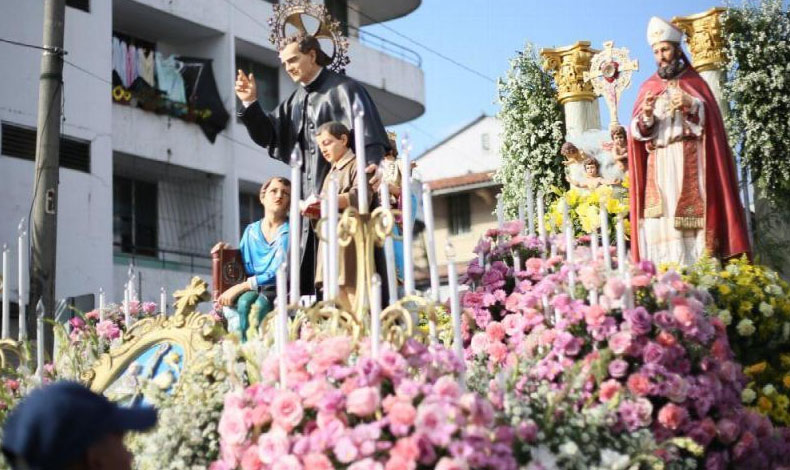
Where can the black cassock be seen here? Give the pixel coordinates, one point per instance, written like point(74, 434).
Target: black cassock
point(329, 97)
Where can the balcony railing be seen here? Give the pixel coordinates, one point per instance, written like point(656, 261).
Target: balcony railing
point(385, 45)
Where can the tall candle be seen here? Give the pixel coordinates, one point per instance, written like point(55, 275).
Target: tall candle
point(621, 261)
point(541, 220)
point(6, 296)
point(530, 206)
point(389, 246)
point(126, 306)
point(23, 280)
point(40, 338)
point(162, 301)
point(325, 251)
point(333, 245)
point(433, 267)
point(605, 244)
point(455, 305)
point(295, 223)
point(500, 211)
point(359, 147)
point(522, 215)
point(516, 262)
point(568, 230)
point(594, 244)
point(408, 222)
point(101, 304)
point(628, 295)
point(281, 321)
point(375, 315)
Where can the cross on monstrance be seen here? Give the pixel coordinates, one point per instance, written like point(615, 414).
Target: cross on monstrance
point(610, 74)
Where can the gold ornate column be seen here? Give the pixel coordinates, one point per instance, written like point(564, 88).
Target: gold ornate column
point(568, 65)
point(705, 40)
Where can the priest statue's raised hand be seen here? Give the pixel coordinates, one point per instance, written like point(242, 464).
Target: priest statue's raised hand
point(322, 95)
point(684, 193)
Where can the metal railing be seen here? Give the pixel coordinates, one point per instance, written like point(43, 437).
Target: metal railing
point(385, 45)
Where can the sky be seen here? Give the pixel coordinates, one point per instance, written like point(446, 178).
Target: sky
point(484, 34)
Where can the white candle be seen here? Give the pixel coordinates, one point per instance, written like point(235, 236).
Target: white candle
point(621, 261)
point(295, 223)
point(162, 301)
point(408, 222)
point(40, 338)
point(389, 246)
point(568, 229)
point(500, 211)
point(607, 256)
point(6, 296)
point(628, 295)
point(127, 307)
point(455, 304)
point(530, 206)
point(281, 321)
point(594, 244)
point(359, 144)
point(522, 215)
point(333, 245)
point(101, 304)
point(325, 251)
point(23, 281)
point(541, 219)
point(433, 267)
point(516, 262)
point(375, 315)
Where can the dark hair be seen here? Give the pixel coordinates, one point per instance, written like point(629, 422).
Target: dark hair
point(337, 129)
point(284, 181)
point(592, 161)
point(619, 130)
point(307, 43)
point(567, 148)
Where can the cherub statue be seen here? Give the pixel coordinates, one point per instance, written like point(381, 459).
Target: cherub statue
point(572, 154)
point(592, 178)
point(619, 148)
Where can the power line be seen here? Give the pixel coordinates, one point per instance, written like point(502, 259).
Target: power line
point(34, 46)
point(429, 49)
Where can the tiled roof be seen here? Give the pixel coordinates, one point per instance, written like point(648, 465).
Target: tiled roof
point(463, 180)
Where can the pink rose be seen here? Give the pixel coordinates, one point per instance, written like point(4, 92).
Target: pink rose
point(287, 462)
point(345, 450)
point(398, 463)
point(108, 330)
point(684, 315)
point(479, 343)
point(331, 351)
point(286, 410)
point(620, 342)
point(317, 462)
point(497, 351)
point(614, 288)
point(363, 401)
point(433, 422)
point(250, 460)
point(638, 384)
point(447, 463)
point(406, 448)
point(401, 415)
point(447, 387)
point(232, 428)
point(366, 464)
point(672, 416)
point(589, 277)
point(594, 315)
point(313, 391)
point(640, 280)
point(609, 390)
point(273, 445)
point(513, 323)
point(495, 331)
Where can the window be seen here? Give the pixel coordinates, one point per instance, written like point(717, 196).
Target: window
point(135, 216)
point(339, 11)
point(459, 213)
point(20, 142)
point(250, 210)
point(83, 5)
point(266, 79)
point(485, 141)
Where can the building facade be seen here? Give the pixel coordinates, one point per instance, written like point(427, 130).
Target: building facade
point(143, 184)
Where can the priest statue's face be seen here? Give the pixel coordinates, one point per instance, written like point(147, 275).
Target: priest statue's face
point(276, 196)
point(668, 59)
point(300, 66)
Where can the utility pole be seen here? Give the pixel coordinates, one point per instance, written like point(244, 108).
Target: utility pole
point(45, 183)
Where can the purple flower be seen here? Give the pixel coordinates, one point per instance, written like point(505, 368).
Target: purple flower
point(618, 368)
point(567, 344)
point(727, 430)
point(665, 320)
point(527, 431)
point(647, 267)
point(77, 323)
point(636, 414)
point(639, 320)
point(653, 353)
point(716, 461)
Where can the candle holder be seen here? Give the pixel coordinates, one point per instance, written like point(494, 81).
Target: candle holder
point(398, 320)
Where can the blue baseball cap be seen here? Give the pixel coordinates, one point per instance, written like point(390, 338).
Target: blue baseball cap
point(56, 424)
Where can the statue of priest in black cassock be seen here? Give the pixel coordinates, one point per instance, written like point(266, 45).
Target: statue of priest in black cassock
point(322, 95)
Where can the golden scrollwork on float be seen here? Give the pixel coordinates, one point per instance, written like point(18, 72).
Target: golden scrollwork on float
point(194, 332)
point(13, 348)
point(568, 65)
point(705, 38)
point(398, 320)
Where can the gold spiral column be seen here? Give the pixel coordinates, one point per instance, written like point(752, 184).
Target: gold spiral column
point(568, 65)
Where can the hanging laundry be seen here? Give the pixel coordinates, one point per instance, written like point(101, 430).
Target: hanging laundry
point(169, 79)
point(131, 65)
point(203, 95)
point(145, 65)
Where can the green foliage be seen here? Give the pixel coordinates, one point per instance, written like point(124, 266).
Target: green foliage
point(758, 88)
point(533, 125)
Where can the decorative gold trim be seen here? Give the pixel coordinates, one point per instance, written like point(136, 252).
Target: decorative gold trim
point(705, 38)
point(568, 65)
point(193, 331)
point(16, 348)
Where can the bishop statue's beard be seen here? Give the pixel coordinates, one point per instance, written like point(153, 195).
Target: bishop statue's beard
point(668, 72)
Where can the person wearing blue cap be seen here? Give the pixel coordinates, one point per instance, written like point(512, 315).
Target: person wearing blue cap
point(66, 426)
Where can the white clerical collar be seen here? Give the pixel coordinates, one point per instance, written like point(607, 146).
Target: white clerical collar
point(314, 77)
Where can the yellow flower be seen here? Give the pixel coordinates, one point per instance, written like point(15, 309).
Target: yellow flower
point(588, 216)
point(626, 181)
point(764, 404)
point(786, 381)
point(755, 369)
point(782, 401)
point(724, 289)
point(572, 197)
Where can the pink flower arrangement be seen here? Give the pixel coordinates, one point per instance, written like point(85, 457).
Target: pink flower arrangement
point(400, 411)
